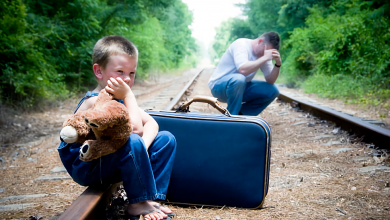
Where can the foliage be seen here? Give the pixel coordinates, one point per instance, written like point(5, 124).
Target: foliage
point(346, 48)
point(338, 49)
point(263, 15)
point(22, 61)
point(46, 46)
point(228, 32)
point(293, 14)
point(177, 37)
point(281, 16)
point(222, 38)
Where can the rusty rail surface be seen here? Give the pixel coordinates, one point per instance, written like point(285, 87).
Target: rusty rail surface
point(91, 204)
point(372, 133)
point(180, 95)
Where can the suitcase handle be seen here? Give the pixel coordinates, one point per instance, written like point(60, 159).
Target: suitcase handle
point(185, 107)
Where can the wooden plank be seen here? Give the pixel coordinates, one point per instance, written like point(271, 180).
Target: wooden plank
point(90, 204)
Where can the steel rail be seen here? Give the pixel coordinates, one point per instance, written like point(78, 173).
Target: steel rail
point(180, 95)
point(92, 202)
point(370, 133)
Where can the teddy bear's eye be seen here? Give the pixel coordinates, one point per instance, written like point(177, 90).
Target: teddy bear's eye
point(93, 125)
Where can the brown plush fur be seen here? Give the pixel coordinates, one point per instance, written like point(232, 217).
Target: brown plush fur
point(103, 129)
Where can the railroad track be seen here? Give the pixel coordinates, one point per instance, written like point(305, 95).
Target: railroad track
point(92, 202)
point(370, 133)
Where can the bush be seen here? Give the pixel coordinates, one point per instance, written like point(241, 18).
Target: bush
point(341, 47)
point(26, 72)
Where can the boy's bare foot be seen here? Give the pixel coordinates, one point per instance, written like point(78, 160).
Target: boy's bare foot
point(145, 209)
point(163, 208)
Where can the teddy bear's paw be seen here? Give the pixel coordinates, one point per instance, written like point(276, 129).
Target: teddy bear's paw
point(68, 134)
point(84, 152)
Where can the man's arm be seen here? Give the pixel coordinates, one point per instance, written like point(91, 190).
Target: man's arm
point(271, 78)
point(252, 66)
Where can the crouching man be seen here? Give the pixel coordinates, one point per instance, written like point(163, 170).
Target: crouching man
point(232, 81)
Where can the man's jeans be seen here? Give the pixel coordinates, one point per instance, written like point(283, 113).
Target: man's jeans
point(249, 98)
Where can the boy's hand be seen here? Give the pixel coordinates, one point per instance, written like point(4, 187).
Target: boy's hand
point(118, 88)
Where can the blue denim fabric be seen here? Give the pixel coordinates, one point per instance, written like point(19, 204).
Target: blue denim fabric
point(249, 98)
point(145, 177)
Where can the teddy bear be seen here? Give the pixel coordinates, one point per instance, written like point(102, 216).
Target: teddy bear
point(103, 129)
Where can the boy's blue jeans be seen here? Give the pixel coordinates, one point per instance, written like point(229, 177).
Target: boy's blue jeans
point(145, 177)
point(234, 90)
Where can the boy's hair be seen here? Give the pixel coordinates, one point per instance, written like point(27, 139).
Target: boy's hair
point(112, 45)
point(271, 38)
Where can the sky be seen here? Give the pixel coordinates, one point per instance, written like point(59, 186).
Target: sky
point(208, 14)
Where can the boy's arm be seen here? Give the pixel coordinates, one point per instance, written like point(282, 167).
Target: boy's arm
point(150, 128)
point(135, 117)
point(121, 90)
point(87, 104)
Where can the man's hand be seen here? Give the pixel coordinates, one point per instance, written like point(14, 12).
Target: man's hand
point(273, 54)
point(268, 54)
point(118, 88)
point(276, 57)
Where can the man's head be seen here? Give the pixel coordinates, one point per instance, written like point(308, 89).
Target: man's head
point(114, 56)
point(268, 40)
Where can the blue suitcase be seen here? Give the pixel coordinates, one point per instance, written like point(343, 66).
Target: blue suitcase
point(221, 159)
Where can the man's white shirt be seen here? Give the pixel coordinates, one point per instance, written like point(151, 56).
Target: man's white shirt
point(238, 53)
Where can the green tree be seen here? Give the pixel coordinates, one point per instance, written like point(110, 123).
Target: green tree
point(46, 45)
point(25, 70)
point(229, 31)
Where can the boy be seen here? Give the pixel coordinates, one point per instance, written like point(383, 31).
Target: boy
point(144, 164)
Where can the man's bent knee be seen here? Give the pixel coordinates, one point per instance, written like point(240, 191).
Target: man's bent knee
point(238, 79)
point(236, 86)
point(274, 91)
